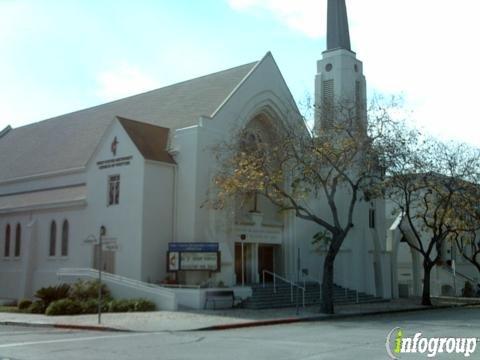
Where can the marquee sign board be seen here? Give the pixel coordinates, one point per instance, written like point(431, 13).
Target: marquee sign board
point(193, 247)
point(193, 257)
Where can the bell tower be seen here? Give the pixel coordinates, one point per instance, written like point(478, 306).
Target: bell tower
point(339, 82)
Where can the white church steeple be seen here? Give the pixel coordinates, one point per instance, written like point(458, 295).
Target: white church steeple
point(339, 81)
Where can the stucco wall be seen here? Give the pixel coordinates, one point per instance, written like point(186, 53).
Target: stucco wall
point(159, 196)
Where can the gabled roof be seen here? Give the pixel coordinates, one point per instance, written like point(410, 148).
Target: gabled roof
point(68, 141)
point(75, 194)
point(150, 140)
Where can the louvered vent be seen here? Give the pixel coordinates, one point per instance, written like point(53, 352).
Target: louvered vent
point(327, 104)
point(359, 103)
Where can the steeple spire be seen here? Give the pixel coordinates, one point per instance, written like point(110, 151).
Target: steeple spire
point(338, 36)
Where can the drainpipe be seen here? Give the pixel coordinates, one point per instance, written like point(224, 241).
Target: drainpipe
point(174, 210)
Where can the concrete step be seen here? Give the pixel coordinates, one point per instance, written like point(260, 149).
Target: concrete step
point(264, 297)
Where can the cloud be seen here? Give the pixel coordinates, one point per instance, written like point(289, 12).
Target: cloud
point(123, 80)
point(300, 15)
point(423, 49)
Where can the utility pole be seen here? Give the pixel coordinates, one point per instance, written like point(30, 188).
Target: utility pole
point(298, 278)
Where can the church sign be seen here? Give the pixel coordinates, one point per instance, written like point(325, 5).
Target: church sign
point(110, 163)
point(193, 257)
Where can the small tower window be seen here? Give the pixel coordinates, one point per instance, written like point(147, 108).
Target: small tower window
point(53, 239)
point(64, 250)
point(6, 250)
point(18, 240)
point(371, 218)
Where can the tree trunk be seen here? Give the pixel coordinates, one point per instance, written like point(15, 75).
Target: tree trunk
point(427, 268)
point(327, 285)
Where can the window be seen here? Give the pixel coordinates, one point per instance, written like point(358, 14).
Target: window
point(113, 189)
point(6, 250)
point(18, 240)
point(53, 239)
point(64, 250)
point(371, 218)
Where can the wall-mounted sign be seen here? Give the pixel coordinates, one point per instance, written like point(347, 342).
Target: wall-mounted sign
point(110, 163)
point(91, 239)
point(193, 257)
point(193, 247)
point(110, 244)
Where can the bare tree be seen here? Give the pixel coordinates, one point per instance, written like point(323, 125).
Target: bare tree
point(432, 184)
point(467, 239)
point(296, 170)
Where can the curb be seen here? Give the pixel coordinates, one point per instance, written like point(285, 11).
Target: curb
point(65, 326)
point(270, 322)
point(324, 318)
point(249, 324)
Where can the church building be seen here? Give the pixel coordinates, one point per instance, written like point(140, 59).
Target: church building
point(135, 173)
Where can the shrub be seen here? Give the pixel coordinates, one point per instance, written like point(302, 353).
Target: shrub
point(52, 293)
point(24, 304)
point(90, 306)
point(64, 307)
point(130, 305)
point(88, 289)
point(144, 305)
point(468, 289)
point(37, 307)
point(121, 305)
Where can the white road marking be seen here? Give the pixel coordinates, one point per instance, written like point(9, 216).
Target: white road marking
point(90, 338)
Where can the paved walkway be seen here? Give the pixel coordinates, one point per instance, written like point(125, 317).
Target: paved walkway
point(196, 319)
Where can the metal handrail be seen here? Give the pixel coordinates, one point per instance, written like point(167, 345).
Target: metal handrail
point(450, 270)
point(179, 286)
point(160, 290)
point(357, 296)
point(314, 279)
point(292, 284)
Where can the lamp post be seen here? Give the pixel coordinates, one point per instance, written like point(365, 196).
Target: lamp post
point(242, 238)
point(298, 277)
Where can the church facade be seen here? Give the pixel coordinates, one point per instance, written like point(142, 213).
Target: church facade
point(137, 171)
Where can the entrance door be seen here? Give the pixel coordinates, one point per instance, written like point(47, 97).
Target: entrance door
point(242, 265)
point(238, 263)
point(266, 261)
point(248, 268)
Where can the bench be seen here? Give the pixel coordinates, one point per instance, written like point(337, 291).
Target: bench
point(219, 296)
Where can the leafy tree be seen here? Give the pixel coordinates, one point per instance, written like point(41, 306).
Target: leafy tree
point(296, 170)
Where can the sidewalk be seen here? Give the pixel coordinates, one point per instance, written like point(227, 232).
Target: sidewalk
point(229, 318)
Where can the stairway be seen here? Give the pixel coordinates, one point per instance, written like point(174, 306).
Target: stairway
point(265, 298)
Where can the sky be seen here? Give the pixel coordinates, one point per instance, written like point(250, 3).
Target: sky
point(58, 56)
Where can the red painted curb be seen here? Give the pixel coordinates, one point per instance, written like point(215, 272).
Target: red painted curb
point(89, 327)
point(321, 318)
point(253, 324)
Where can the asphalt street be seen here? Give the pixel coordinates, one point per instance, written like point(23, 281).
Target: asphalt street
point(355, 338)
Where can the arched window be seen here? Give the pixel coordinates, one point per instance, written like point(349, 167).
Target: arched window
point(18, 240)
point(64, 251)
point(53, 238)
point(6, 250)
